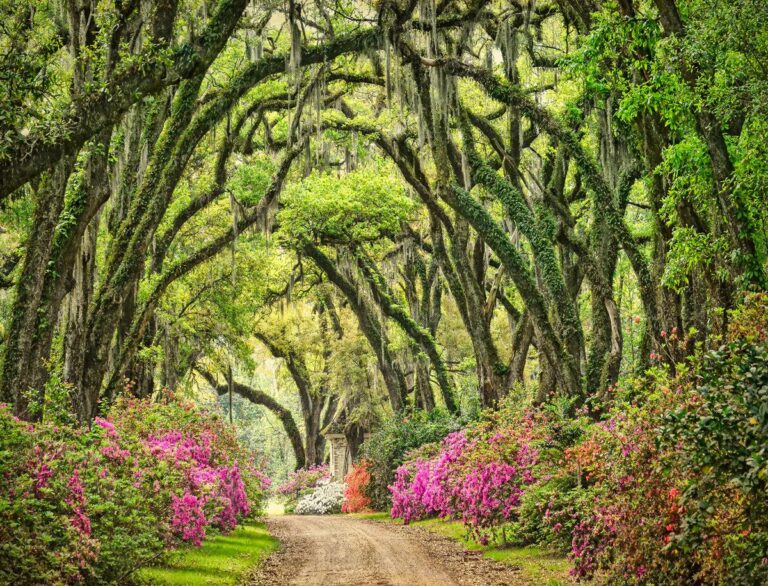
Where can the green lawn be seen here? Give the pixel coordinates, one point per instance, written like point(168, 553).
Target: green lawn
point(535, 563)
point(223, 559)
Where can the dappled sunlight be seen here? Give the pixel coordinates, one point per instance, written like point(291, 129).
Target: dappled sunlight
point(221, 560)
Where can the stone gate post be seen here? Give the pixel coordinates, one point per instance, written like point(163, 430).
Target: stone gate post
point(341, 459)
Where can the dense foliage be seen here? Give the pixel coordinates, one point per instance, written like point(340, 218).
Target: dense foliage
point(386, 217)
point(93, 506)
point(386, 449)
point(667, 488)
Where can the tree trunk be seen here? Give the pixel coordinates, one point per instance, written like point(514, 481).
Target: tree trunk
point(80, 298)
point(23, 330)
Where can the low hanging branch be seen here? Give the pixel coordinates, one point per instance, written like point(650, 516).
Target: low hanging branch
point(261, 398)
point(255, 216)
point(178, 142)
point(225, 149)
point(100, 109)
point(296, 366)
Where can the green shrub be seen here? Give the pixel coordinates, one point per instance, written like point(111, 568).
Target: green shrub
point(723, 432)
point(671, 487)
point(91, 506)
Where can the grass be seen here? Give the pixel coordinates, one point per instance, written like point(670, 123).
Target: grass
point(536, 564)
point(221, 560)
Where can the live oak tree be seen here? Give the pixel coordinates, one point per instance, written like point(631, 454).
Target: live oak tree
point(484, 193)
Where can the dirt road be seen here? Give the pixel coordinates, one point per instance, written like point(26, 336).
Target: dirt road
point(344, 551)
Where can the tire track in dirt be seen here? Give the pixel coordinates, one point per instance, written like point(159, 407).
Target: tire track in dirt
point(344, 551)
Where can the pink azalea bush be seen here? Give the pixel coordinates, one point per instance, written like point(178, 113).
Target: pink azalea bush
point(666, 484)
point(477, 476)
point(79, 505)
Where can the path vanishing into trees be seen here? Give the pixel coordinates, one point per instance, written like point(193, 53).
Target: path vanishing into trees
point(341, 550)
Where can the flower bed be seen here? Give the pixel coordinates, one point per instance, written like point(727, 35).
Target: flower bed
point(668, 487)
point(93, 505)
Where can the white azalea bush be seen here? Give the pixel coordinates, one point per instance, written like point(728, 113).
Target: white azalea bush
point(326, 499)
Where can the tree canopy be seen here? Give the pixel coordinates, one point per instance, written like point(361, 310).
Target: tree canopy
point(409, 203)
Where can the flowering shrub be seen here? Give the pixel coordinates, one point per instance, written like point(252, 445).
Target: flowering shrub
point(386, 449)
point(721, 434)
point(92, 505)
point(622, 529)
point(669, 487)
point(676, 474)
point(355, 499)
point(477, 476)
point(304, 479)
point(326, 499)
point(302, 482)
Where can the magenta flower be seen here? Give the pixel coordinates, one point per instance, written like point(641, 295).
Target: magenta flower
point(106, 424)
point(188, 518)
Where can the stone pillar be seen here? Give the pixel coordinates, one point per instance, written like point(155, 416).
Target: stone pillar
point(341, 459)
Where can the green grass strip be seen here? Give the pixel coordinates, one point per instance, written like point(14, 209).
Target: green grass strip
point(223, 559)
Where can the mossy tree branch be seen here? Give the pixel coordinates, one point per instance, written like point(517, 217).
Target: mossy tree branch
point(258, 397)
